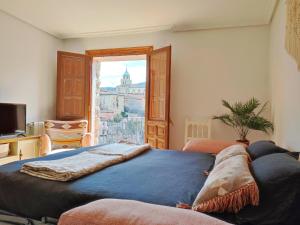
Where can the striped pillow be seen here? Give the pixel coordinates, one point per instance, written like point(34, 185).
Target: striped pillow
point(65, 134)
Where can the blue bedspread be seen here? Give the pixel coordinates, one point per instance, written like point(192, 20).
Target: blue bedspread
point(160, 177)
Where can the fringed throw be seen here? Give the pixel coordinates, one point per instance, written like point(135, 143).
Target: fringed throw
point(231, 202)
point(292, 38)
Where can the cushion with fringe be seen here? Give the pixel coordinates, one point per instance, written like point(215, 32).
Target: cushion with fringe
point(231, 151)
point(229, 187)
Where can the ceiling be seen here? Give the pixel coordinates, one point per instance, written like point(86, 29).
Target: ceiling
point(89, 18)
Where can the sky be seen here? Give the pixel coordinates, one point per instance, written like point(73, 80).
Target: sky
point(112, 72)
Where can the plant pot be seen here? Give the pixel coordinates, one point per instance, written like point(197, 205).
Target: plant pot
point(246, 142)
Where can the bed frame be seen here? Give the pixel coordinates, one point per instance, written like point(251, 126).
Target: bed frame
point(7, 218)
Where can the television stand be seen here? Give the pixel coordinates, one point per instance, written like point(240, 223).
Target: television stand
point(20, 148)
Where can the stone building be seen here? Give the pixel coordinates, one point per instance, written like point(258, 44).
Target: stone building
point(111, 102)
point(126, 86)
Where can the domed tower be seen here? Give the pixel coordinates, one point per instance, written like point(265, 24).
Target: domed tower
point(126, 81)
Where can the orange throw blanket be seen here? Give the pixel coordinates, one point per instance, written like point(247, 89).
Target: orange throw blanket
point(128, 212)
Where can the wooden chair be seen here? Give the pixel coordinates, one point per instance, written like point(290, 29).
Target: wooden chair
point(197, 129)
point(64, 135)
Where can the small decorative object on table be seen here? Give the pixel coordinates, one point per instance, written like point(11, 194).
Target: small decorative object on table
point(243, 118)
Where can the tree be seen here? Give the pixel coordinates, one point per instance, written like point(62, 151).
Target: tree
point(117, 118)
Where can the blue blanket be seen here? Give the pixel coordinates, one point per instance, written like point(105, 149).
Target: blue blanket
point(159, 177)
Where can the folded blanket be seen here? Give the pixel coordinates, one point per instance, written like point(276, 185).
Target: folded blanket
point(128, 151)
point(128, 212)
point(85, 163)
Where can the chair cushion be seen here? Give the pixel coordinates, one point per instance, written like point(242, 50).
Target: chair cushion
point(65, 134)
point(128, 212)
point(207, 146)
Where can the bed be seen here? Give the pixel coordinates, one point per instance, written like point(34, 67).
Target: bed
point(162, 177)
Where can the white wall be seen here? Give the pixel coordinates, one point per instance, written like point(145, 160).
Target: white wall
point(28, 67)
point(207, 66)
point(285, 85)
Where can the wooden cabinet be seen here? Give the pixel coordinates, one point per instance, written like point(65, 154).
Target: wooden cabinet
point(28, 148)
point(21, 148)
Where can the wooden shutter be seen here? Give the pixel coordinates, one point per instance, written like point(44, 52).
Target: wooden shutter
point(158, 98)
point(73, 86)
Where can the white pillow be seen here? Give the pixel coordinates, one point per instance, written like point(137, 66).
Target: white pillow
point(231, 151)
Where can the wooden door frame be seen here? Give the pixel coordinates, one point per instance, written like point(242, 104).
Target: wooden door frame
point(142, 50)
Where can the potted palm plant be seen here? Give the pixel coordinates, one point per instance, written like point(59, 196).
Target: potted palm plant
point(244, 117)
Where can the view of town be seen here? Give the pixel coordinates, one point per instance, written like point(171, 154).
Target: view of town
point(122, 102)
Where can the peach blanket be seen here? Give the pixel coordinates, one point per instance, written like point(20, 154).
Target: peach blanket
point(128, 212)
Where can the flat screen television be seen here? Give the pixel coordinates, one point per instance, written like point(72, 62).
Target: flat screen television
point(12, 119)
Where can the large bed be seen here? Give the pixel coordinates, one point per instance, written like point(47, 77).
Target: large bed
point(161, 177)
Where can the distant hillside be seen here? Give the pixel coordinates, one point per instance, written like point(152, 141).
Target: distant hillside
point(139, 85)
point(108, 88)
